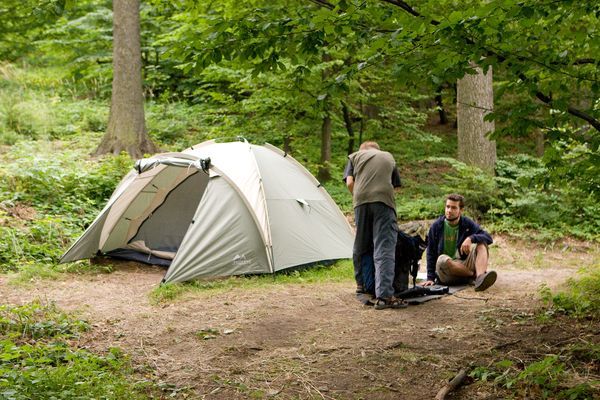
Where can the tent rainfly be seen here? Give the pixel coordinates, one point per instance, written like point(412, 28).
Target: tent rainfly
point(218, 209)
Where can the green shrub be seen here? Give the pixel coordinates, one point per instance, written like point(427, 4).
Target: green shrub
point(478, 187)
point(37, 321)
point(548, 378)
point(55, 371)
point(37, 363)
point(581, 299)
point(66, 191)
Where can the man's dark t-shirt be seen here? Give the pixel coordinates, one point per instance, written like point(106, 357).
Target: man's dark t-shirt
point(375, 177)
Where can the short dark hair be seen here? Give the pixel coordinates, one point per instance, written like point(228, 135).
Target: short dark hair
point(456, 197)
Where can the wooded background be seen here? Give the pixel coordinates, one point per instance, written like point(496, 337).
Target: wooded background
point(496, 99)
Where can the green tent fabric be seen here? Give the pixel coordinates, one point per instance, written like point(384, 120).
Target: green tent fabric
point(219, 209)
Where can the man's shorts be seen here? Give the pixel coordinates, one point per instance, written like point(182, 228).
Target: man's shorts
point(446, 278)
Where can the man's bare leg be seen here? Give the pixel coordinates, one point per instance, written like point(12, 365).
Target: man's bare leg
point(457, 268)
point(481, 262)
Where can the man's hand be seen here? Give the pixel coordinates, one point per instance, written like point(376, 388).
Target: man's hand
point(426, 283)
point(465, 247)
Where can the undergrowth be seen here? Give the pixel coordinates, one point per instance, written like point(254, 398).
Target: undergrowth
point(567, 370)
point(552, 377)
point(38, 359)
point(48, 194)
point(581, 297)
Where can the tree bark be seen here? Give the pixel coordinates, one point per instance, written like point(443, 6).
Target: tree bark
point(440, 106)
point(348, 123)
point(126, 129)
point(362, 124)
point(475, 99)
point(287, 144)
point(540, 143)
point(324, 173)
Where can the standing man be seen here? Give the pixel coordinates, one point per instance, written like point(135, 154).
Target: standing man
point(371, 176)
point(457, 249)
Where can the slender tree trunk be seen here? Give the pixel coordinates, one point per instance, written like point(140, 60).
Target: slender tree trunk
point(126, 126)
point(474, 100)
point(287, 144)
point(455, 94)
point(324, 173)
point(540, 142)
point(440, 106)
point(361, 129)
point(348, 123)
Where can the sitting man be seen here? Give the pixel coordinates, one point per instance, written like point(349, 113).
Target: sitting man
point(457, 249)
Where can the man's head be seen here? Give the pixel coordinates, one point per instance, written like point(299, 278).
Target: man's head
point(454, 206)
point(369, 145)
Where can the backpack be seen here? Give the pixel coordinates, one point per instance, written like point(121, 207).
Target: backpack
point(409, 250)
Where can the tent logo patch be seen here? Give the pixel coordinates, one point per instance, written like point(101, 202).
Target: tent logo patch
point(241, 260)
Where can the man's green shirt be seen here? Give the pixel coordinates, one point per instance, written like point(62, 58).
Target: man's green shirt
point(450, 236)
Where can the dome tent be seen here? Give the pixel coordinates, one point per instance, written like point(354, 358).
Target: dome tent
point(218, 209)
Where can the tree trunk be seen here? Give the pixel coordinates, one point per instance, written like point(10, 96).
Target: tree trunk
point(362, 124)
point(348, 123)
point(126, 126)
point(324, 173)
point(440, 106)
point(474, 100)
point(540, 142)
point(287, 144)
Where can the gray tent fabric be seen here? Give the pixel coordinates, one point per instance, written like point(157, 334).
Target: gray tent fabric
point(224, 242)
point(219, 209)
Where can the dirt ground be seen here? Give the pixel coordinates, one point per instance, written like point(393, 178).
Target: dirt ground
point(312, 341)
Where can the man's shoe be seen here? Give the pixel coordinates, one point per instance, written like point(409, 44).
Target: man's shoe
point(390, 302)
point(485, 280)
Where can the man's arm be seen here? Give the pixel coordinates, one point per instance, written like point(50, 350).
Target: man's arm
point(349, 176)
point(396, 181)
point(482, 236)
point(350, 183)
point(476, 235)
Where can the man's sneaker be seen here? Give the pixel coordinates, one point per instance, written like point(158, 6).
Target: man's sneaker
point(485, 280)
point(441, 261)
point(390, 302)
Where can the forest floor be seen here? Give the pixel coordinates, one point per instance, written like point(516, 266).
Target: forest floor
point(316, 340)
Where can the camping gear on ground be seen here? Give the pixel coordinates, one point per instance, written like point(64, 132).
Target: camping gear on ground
point(218, 209)
point(409, 250)
point(416, 294)
point(418, 291)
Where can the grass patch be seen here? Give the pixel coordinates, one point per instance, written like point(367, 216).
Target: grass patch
point(37, 361)
point(581, 299)
point(37, 321)
point(341, 271)
point(548, 378)
point(30, 272)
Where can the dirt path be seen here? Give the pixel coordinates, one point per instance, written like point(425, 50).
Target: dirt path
point(305, 341)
